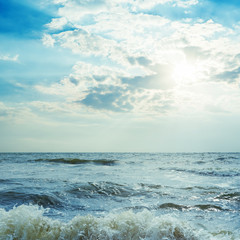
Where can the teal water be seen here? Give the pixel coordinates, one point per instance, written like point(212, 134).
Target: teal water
point(120, 196)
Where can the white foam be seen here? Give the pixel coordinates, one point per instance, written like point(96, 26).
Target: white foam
point(28, 222)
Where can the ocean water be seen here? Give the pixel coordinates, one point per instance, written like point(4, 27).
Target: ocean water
point(183, 196)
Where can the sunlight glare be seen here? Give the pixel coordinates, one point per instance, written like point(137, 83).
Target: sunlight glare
point(184, 73)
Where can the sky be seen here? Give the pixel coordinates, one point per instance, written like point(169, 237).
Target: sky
point(120, 76)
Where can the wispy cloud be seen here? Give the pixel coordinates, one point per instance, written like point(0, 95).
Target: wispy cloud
point(9, 58)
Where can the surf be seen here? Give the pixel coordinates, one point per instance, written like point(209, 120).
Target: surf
point(28, 222)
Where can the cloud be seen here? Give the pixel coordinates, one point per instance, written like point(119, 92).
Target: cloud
point(148, 5)
point(53, 107)
point(186, 3)
point(9, 58)
point(17, 113)
point(152, 101)
point(110, 89)
point(75, 10)
point(57, 23)
point(160, 78)
point(48, 40)
point(232, 76)
point(110, 99)
point(130, 50)
point(4, 110)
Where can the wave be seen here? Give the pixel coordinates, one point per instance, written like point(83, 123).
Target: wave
point(50, 200)
point(233, 196)
point(5, 181)
point(151, 186)
point(173, 206)
point(111, 189)
point(212, 189)
point(207, 172)
point(209, 207)
point(28, 222)
point(226, 158)
point(101, 188)
point(203, 207)
point(107, 162)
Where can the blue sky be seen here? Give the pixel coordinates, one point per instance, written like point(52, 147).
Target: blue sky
point(120, 75)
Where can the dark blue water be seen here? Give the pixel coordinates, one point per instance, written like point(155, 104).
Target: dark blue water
point(120, 196)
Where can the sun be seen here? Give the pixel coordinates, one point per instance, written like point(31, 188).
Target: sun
point(184, 73)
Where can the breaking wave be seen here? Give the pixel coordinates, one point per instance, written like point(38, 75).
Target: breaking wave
point(29, 222)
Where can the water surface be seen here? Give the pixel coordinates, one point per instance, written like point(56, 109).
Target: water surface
point(120, 196)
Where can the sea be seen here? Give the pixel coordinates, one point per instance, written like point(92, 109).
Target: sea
point(120, 196)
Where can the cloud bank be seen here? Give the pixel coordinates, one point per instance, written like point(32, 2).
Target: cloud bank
point(133, 55)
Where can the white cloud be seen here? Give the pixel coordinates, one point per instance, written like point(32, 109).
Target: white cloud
point(60, 1)
point(139, 5)
point(57, 23)
point(186, 3)
point(210, 97)
point(48, 40)
point(9, 58)
point(133, 52)
point(74, 10)
point(85, 79)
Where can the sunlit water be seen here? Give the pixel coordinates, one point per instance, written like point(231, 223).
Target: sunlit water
point(120, 196)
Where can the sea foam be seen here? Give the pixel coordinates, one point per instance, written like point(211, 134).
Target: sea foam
point(28, 222)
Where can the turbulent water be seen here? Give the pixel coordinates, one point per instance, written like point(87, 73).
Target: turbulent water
point(183, 196)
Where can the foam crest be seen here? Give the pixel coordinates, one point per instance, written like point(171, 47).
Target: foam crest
point(28, 222)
